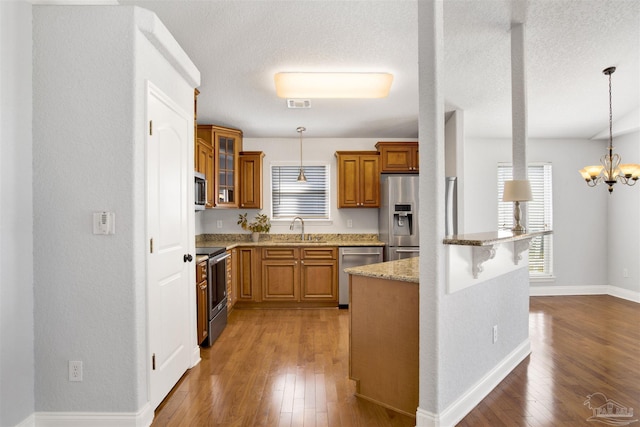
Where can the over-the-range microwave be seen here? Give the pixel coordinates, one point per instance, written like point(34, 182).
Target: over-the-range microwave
point(200, 188)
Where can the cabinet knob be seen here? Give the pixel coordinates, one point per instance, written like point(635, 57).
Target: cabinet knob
point(187, 258)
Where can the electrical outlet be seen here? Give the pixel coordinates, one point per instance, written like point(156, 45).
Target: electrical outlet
point(349, 223)
point(625, 273)
point(75, 370)
point(495, 333)
point(219, 223)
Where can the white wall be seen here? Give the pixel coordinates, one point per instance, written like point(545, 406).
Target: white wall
point(16, 213)
point(623, 241)
point(579, 212)
point(91, 66)
point(287, 149)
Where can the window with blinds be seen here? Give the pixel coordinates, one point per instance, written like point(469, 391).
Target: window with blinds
point(290, 198)
point(540, 214)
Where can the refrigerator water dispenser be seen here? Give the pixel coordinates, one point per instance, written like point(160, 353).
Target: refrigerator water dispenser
point(402, 220)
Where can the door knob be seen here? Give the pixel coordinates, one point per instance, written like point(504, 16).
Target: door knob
point(187, 258)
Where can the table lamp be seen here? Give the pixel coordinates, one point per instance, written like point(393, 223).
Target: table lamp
point(517, 190)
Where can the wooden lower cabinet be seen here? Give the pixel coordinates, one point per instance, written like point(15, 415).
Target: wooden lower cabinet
point(384, 341)
point(319, 274)
point(246, 277)
point(280, 280)
point(201, 301)
point(280, 274)
point(230, 291)
point(288, 276)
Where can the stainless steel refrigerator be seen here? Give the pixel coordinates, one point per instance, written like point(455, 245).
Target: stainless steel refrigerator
point(398, 216)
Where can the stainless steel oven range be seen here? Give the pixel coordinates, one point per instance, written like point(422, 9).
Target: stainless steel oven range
point(217, 290)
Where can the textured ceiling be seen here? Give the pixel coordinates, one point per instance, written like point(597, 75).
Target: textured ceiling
point(239, 46)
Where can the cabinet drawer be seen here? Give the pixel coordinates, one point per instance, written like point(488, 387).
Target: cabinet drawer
point(319, 253)
point(279, 253)
point(201, 272)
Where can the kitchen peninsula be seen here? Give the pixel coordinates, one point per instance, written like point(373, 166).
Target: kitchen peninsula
point(477, 257)
point(384, 311)
point(383, 334)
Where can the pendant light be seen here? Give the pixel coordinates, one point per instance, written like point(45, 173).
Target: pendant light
point(610, 170)
point(301, 177)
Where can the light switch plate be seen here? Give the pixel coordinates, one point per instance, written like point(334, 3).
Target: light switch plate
point(104, 223)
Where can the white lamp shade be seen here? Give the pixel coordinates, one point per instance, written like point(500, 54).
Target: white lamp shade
point(517, 190)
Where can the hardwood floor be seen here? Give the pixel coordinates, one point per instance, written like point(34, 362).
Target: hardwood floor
point(290, 368)
point(580, 345)
point(275, 368)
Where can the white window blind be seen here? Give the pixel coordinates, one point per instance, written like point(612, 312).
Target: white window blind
point(290, 198)
point(540, 214)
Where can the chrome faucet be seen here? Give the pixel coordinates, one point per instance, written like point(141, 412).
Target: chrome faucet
point(301, 223)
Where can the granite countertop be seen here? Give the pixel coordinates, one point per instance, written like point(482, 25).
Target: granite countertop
point(404, 270)
point(231, 241)
point(491, 237)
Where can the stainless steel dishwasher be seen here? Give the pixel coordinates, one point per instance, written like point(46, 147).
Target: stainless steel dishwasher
point(354, 257)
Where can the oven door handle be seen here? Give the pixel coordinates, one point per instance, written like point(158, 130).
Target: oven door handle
point(219, 258)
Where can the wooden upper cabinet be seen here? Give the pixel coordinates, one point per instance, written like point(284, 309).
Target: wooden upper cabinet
point(251, 179)
point(358, 179)
point(225, 181)
point(398, 157)
point(205, 164)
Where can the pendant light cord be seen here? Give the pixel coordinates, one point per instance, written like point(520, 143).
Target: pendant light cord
point(610, 118)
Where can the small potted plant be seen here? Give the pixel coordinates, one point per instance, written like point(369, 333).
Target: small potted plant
point(260, 224)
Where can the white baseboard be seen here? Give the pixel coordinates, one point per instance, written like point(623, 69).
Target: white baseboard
point(623, 293)
point(142, 418)
point(474, 395)
point(615, 291)
point(195, 356)
point(541, 291)
point(30, 421)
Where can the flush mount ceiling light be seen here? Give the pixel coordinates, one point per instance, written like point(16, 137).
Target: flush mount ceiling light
point(333, 85)
point(610, 170)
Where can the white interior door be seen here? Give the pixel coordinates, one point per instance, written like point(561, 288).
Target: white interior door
point(168, 228)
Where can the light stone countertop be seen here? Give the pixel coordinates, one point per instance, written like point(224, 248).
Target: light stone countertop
point(231, 241)
point(404, 270)
point(491, 237)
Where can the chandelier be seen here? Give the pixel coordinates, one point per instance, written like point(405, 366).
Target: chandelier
point(610, 170)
